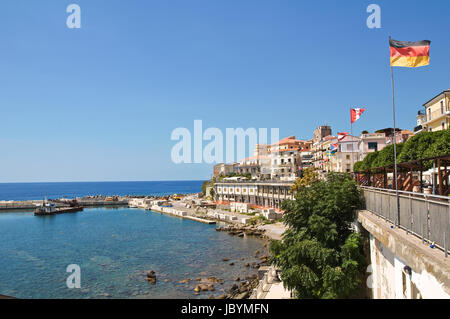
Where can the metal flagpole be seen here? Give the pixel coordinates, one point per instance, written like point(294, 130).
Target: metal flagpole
point(395, 148)
point(351, 138)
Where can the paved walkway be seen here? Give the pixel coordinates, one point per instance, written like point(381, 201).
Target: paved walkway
point(274, 231)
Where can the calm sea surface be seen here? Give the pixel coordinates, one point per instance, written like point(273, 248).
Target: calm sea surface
point(115, 248)
point(35, 191)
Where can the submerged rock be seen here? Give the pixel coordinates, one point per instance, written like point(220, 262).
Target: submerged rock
point(185, 281)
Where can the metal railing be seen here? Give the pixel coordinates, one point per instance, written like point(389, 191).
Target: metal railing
point(425, 216)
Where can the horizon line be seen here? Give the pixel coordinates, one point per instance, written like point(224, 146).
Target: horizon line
point(124, 181)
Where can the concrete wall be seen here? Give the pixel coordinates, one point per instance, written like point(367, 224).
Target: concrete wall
point(390, 281)
point(401, 266)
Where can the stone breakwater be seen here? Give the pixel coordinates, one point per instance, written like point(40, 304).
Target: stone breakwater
point(241, 231)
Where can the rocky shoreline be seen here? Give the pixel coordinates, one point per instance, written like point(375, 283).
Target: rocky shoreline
point(242, 287)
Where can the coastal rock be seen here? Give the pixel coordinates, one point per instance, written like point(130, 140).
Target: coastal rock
point(243, 289)
point(151, 277)
point(197, 288)
point(185, 281)
point(237, 279)
point(231, 264)
point(242, 295)
point(247, 265)
point(204, 287)
point(225, 259)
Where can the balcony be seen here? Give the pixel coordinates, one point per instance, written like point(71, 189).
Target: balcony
point(436, 115)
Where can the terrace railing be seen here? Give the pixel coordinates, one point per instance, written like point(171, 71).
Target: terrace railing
point(425, 216)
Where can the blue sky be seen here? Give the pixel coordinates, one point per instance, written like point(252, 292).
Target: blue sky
point(99, 103)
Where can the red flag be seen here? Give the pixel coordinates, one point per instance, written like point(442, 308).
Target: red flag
point(355, 114)
point(342, 135)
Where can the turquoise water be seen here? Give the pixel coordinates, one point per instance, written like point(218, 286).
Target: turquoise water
point(115, 248)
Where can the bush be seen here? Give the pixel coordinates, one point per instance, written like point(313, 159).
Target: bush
point(320, 256)
point(420, 146)
point(386, 156)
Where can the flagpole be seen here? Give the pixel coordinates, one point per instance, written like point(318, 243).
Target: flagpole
point(395, 147)
point(351, 139)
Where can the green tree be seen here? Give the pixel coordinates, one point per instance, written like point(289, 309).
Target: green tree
point(416, 147)
point(385, 157)
point(320, 256)
point(367, 161)
point(309, 176)
point(204, 186)
point(357, 166)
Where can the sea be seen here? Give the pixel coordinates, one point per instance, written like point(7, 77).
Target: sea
point(38, 191)
point(114, 247)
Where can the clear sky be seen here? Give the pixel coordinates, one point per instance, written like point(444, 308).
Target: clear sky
point(100, 103)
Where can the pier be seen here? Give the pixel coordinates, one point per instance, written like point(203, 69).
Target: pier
point(32, 204)
point(181, 214)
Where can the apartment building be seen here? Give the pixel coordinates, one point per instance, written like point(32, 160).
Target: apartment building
point(225, 169)
point(421, 119)
point(437, 112)
point(286, 158)
point(345, 155)
point(257, 193)
point(369, 143)
point(251, 166)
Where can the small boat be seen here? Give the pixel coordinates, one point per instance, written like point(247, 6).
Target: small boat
point(48, 209)
point(45, 209)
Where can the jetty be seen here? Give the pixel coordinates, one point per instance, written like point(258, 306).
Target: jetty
point(45, 211)
point(181, 214)
point(166, 207)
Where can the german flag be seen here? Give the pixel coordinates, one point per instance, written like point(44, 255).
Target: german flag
point(410, 54)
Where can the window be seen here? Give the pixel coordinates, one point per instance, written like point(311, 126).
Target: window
point(443, 125)
point(349, 147)
point(347, 157)
point(429, 114)
point(373, 146)
point(442, 107)
point(404, 286)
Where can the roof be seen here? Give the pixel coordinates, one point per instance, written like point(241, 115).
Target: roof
point(352, 139)
point(445, 91)
point(329, 137)
point(288, 140)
